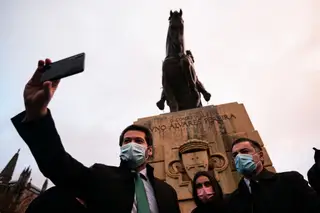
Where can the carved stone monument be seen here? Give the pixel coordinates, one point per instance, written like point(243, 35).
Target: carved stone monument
point(199, 139)
point(193, 138)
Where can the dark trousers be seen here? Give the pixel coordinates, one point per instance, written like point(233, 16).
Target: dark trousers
point(56, 200)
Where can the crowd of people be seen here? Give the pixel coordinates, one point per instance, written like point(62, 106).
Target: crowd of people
point(132, 187)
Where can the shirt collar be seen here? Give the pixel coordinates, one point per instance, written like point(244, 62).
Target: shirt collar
point(265, 175)
point(247, 181)
point(244, 185)
point(144, 172)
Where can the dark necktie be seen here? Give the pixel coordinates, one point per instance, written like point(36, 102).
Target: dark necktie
point(254, 187)
point(141, 195)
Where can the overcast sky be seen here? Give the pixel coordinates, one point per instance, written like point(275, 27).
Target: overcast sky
point(264, 54)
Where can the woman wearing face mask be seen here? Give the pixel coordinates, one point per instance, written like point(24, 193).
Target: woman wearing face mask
point(207, 193)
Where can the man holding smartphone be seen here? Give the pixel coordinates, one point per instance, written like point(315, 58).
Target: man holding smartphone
point(128, 188)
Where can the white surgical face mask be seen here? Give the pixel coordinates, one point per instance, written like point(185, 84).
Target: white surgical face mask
point(245, 164)
point(134, 154)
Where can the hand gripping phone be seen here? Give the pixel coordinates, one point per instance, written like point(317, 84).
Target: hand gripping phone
point(63, 68)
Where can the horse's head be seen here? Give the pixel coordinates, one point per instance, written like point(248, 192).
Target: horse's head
point(175, 40)
point(175, 20)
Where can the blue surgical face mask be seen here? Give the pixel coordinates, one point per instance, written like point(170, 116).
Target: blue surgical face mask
point(133, 154)
point(245, 164)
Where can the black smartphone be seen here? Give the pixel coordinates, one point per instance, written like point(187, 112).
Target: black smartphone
point(63, 68)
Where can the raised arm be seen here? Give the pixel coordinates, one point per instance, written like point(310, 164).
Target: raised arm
point(37, 129)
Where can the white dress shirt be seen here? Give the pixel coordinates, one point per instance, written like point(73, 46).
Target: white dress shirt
point(150, 195)
point(247, 181)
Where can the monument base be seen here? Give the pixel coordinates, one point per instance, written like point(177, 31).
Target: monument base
point(189, 141)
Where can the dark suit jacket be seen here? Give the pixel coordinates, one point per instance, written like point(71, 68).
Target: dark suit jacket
point(275, 192)
point(56, 200)
point(103, 188)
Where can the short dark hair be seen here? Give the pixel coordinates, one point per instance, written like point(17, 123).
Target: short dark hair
point(140, 128)
point(253, 143)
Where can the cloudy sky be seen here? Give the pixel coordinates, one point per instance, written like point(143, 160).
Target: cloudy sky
point(265, 54)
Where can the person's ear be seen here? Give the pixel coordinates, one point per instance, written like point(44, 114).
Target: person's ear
point(150, 151)
point(261, 156)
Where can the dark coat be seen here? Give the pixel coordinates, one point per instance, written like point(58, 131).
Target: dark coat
point(56, 200)
point(275, 192)
point(314, 178)
point(314, 172)
point(103, 188)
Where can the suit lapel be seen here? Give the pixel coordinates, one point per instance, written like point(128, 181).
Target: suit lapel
point(154, 182)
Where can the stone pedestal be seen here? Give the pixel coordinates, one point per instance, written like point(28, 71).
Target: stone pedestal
point(199, 139)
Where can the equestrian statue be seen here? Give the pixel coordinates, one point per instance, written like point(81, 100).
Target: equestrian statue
point(181, 87)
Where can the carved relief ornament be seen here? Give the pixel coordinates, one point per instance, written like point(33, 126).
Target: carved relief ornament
point(194, 156)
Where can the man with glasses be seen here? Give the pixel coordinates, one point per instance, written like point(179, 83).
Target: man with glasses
point(262, 191)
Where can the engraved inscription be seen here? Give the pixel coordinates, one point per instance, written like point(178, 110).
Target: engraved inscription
point(196, 119)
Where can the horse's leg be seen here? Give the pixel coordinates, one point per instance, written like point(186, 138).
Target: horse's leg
point(167, 88)
point(171, 100)
point(173, 108)
point(201, 89)
point(160, 103)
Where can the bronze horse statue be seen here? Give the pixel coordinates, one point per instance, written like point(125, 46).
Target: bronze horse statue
point(181, 86)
